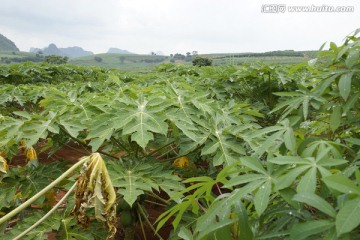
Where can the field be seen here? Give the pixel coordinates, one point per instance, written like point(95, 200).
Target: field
point(140, 63)
point(249, 60)
point(260, 150)
point(132, 62)
point(17, 57)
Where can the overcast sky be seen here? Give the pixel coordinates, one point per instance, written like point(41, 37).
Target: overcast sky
point(171, 26)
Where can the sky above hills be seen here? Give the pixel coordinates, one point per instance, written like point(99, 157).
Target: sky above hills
point(171, 26)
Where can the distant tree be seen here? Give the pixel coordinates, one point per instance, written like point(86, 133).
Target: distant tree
point(122, 59)
point(188, 57)
point(172, 60)
point(153, 53)
point(201, 61)
point(194, 53)
point(179, 56)
point(98, 59)
point(54, 59)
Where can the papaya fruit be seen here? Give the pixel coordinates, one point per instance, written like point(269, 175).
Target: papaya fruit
point(126, 218)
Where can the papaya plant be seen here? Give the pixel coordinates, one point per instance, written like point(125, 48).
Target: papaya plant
point(301, 180)
point(249, 152)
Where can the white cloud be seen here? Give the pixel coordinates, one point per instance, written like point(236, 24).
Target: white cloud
point(172, 25)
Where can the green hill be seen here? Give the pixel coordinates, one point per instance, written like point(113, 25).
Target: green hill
point(6, 45)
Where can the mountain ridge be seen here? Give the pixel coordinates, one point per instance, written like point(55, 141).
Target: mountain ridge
point(118, 50)
point(7, 45)
point(71, 52)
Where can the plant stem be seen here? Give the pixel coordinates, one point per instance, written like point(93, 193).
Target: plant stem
point(218, 188)
point(159, 149)
point(47, 214)
point(24, 205)
point(142, 226)
point(106, 154)
point(85, 145)
point(166, 153)
point(77, 150)
point(158, 198)
point(201, 206)
point(184, 155)
point(147, 221)
point(159, 204)
point(122, 146)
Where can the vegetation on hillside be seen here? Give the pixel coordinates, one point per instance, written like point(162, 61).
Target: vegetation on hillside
point(54, 59)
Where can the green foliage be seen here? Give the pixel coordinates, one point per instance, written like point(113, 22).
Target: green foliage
point(277, 146)
point(301, 158)
point(23, 57)
point(201, 61)
point(54, 59)
point(98, 59)
point(143, 176)
point(31, 73)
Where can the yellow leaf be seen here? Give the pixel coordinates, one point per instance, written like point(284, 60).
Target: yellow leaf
point(95, 190)
point(3, 165)
point(30, 154)
point(181, 162)
point(50, 196)
point(22, 143)
point(18, 196)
